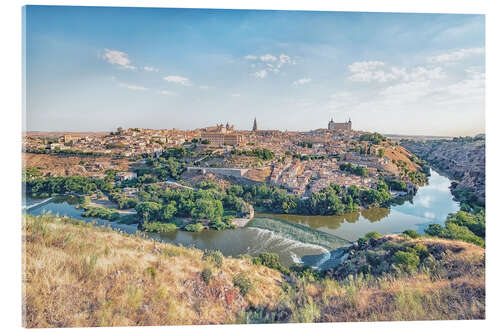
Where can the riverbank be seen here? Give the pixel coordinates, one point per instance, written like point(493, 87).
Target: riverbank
point(106, 203)
point(462, 159)
point(81, 275)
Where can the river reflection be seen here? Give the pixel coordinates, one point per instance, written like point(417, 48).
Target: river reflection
point(294, 244)
point(231, 242)
point(432, 204)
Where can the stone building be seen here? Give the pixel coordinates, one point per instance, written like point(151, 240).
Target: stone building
point(333, 126)
point(221, 135)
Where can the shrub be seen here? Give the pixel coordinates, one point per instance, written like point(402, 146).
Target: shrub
point(474, 222)
point(83, 201)
point(102, 213)
point(206, 275)
point(243, 283)
point(214, 256)
point(369, 236)
point(464, 234)
point(373, 235)
point(454, 231)
point(411, 233)
point(270, 260)
point(420, 249)
point(397, 185)
point(194, 227)
point(221, 224)
point(406, 260)
point(305, 272)
point(437, 230)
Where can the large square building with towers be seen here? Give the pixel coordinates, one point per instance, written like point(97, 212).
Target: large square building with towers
point(333, 126)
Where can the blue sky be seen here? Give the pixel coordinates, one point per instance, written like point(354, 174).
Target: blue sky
point(97, 68)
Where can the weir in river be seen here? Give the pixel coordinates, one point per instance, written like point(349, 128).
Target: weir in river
point(298, 233)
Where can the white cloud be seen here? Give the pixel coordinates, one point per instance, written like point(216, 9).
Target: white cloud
point(374, 71)
point(454, 56)
point(363, 66)
point(150, 69)
point(285, 59)
point(268, 57)
point(366, 71)
point(470, 89)
point(268, 63)
point(235, 95)
point(132, 87)
point(178, 80)
point(260, 74)
point(167, 92)
point(407, 92)
point(302, 81)
point(119, 58)
point(422, 73)
point(205, 87)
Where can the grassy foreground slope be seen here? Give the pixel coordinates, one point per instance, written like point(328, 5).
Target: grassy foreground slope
point(76, 274)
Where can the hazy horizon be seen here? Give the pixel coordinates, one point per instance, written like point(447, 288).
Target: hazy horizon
point(93, 69)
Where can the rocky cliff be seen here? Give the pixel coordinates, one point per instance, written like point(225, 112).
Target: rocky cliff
point(462, 159)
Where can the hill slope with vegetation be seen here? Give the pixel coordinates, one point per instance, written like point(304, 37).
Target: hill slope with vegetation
point(462, 159)
point(76, 274)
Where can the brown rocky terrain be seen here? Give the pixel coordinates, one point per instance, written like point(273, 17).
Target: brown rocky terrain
point(460, 159)
point(73, 165)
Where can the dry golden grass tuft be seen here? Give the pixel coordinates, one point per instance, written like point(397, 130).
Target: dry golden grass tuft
point(81, 275)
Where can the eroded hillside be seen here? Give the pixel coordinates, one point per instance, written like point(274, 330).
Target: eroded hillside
point(461, 159)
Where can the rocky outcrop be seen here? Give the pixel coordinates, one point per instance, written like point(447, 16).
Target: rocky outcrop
point(460, 159)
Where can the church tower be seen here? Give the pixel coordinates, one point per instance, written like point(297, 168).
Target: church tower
point(254, 128)
point(331, 125)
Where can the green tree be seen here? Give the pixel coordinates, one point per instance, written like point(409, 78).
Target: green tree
point(207, 209)
point(148, 211)
point(169, 211)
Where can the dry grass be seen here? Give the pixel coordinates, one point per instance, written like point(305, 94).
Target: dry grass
point(81, 275)
point(73, 165)
point(452, 288)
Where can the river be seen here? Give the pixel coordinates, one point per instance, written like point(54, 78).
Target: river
point(297, 239)
point(431, 204)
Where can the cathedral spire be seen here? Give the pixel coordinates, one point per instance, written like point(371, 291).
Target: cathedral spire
point(254, 128)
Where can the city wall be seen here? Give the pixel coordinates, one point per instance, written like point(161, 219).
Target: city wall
point(234, 172)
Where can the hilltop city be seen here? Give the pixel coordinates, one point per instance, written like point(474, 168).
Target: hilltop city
point(301, 162)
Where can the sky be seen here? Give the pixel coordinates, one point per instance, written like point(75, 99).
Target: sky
point(98, 68)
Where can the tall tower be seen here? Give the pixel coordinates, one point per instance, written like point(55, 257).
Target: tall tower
point(331, 125)
point(254, 128)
